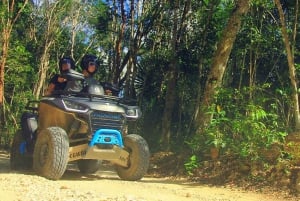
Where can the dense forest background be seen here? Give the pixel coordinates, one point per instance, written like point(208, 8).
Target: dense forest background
point(206, 73)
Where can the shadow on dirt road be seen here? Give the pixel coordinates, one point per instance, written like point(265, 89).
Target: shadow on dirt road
point(73, 174)
point(106, 185)
point(4, 162)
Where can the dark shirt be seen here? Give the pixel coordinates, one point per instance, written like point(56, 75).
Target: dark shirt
point(58, 85)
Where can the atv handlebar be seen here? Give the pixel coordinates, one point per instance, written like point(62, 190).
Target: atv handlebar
point(125, 101)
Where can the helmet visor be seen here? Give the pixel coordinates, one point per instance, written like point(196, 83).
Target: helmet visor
point(91, 67)
point(92, 63)
point(65, 65)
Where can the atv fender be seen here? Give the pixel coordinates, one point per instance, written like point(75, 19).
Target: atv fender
point(29, 125)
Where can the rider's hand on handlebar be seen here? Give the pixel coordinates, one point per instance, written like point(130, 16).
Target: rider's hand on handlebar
point(61, 79)
point(108, 92)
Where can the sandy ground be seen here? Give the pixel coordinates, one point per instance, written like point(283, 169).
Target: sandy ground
point(106, 186)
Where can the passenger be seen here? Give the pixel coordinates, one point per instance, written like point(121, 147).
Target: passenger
point(57, 82)
point(90, 65)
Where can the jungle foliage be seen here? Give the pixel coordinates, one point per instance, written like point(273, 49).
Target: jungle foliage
point(161, 53)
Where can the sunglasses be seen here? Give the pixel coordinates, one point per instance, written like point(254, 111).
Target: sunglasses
point(91, 63)
point(66, 61)
point(66, 66)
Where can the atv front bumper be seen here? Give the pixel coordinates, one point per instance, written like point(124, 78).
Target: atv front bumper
point(106, 144)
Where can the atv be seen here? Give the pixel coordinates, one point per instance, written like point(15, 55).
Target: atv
point(84, 127)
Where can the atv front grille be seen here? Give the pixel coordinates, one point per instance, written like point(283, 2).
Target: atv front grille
point(106, 120)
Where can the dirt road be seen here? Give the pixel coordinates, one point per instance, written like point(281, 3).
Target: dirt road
point(106, 186)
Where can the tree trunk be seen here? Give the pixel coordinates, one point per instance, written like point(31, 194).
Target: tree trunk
point(5, 44)
point(52, 12)
point(169, 105)
point(203, 43)
point(171, 77)
point(129, 92)
point(43, 68)
point(7, 23)
point(172, 74)
point(292, 70)
point(116, 71)
point(219, 63)
point(77, 10)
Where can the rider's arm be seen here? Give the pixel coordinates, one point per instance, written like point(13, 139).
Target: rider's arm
point(52, 84)
point(50, 89)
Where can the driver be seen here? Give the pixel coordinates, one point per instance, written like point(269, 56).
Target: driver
point(57, 82)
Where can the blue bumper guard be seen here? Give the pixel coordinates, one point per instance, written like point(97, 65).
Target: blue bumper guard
point(108, 137)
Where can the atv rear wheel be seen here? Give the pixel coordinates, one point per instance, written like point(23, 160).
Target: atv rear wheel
point(138, 162)
point(88, 166)
point(50, 157)
point(19, 157)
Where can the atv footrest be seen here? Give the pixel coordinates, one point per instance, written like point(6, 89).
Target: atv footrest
point(107, 137)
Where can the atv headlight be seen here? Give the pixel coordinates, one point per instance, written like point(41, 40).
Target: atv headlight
point(132, 112)
point(74, 107)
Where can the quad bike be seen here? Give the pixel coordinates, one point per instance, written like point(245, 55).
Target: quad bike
point(83, 127)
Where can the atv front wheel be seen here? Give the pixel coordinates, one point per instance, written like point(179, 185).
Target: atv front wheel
point(50, 157)
point(88, 166)
point(19, 157)
point(138, 162)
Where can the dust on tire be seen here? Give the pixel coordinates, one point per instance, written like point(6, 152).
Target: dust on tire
point(138, 158)
point(50, 157)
